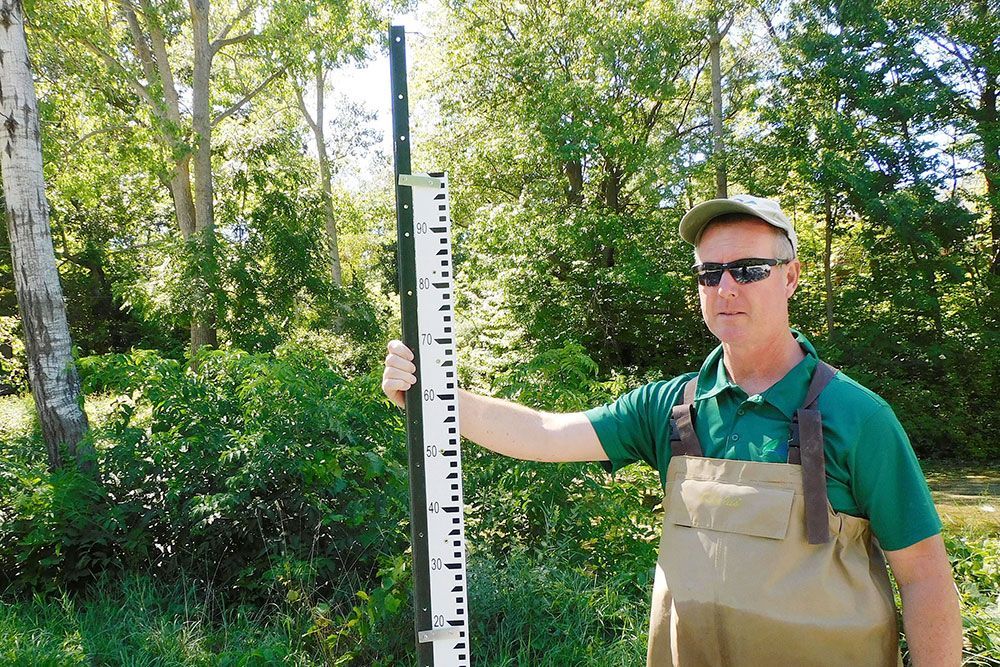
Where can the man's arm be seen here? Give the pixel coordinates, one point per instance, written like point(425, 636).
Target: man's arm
point(504, 427)
point(932, 617)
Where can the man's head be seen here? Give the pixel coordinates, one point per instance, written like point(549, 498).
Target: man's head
point(746, 304)
point(694, 221)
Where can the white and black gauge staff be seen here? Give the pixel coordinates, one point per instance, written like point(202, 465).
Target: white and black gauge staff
point(437, 525)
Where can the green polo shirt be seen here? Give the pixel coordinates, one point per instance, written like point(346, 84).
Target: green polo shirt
point(871, 469)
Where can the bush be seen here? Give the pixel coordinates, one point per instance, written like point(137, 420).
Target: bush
point(258, 472)
point(546, 612)
point(13, 371)
point(575, 509)
point(975, 561)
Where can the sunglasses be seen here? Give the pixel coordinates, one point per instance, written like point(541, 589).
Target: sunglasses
point(743, 271)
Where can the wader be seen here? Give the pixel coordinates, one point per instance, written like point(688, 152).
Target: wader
point(755, 566)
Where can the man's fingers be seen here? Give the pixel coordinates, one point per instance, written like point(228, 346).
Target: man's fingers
point(399, 349)
point(399, 375)
point(392, 384)
point(395, 361)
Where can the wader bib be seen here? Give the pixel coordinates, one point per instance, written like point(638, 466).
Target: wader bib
point(755, 566)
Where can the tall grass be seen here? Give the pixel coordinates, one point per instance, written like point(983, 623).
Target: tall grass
point(138, 621)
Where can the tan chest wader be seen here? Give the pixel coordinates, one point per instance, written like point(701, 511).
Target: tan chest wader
point(755, 567)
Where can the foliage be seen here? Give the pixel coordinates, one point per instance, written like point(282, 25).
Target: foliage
point(562, 128)
point(975, 562)
point(377, 630)
point(249, 471)
point(13, 370)
point(573, 509)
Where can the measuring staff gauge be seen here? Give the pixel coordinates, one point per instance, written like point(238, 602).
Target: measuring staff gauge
point(437, 523)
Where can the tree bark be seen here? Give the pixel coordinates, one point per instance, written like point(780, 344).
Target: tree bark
point(989, 130)
point(574, 181)
point(828, 262)
point(52, 373)
point(326, 189)
point(203, 330)
point(718, 141)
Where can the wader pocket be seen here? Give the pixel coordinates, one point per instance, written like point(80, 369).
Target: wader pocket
point(731, 508)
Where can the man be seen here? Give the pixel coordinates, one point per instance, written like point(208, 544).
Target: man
point(778, 474)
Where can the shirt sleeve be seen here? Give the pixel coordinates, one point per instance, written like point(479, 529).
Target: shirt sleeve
point(636, 426)
point(889, 485)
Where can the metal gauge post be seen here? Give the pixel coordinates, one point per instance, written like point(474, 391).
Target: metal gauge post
point(435, 463)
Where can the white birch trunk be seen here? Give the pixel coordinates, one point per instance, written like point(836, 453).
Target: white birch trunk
point(52, 374)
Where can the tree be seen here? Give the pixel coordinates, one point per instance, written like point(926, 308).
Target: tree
point(337, 33)
point(958, 49)
point(715, 37)
point(161, 54)
point(51, 369)
point(565, 127)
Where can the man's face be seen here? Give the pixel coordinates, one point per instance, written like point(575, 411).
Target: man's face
point(754, 312)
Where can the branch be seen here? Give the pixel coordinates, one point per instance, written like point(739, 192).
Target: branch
point(304, 110)
point(220, 43)
point(961, 57)
point(246, 98)
point(159, 44)
point(132, 82)
point(729, 24)
point(687, 102)
point(775, 39)
point(141, 48)
point(245, 12)
point(93, 133)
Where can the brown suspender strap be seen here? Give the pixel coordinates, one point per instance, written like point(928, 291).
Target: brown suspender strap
point(806, 448)
point(684, 440)
point(813, 476)
point(822, 375)
point(689, 389)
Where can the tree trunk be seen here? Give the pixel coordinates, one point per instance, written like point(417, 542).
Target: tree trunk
point(156, 64)
point(52, 374)
point(326, 189)
point(574, 177)
point(828, 262)
point(989, 130)
point(718, 142)
point(203, 331)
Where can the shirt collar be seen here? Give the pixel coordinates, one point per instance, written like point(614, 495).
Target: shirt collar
point(786, 394)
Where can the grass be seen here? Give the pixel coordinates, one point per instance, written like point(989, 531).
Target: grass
point(140, 622)
point(967, 496)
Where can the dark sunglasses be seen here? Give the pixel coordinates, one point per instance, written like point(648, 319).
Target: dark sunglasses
point(743, 271)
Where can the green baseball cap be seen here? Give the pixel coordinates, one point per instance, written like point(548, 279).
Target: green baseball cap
point(694, 221)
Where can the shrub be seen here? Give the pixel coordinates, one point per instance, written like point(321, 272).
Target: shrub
point(257, 472)
point(13, 371)
point(975, 561)
point(575, 509)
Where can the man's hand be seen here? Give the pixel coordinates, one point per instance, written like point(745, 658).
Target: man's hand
point(398, 375)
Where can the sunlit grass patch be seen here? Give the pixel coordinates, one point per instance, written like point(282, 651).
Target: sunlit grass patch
point(17, 413)
point(967, 496)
